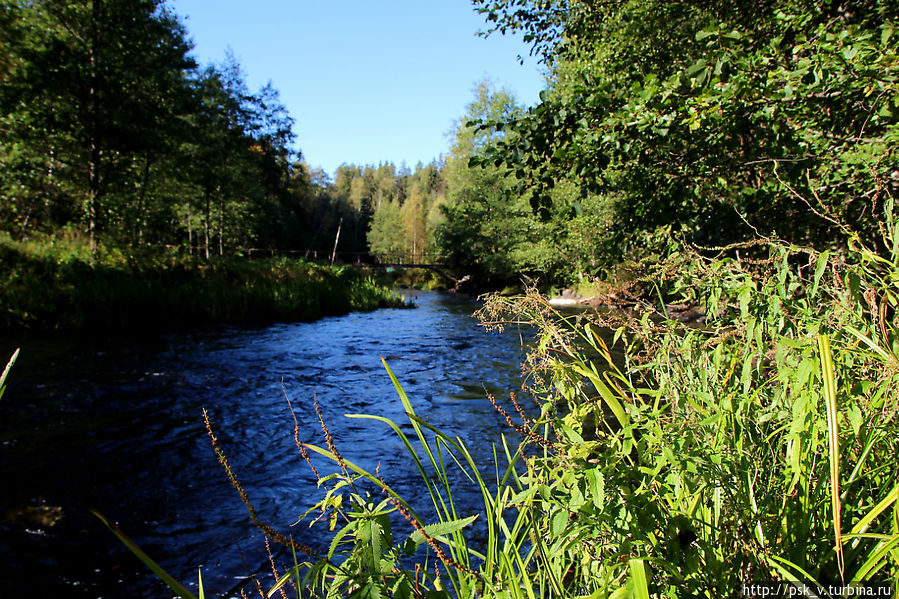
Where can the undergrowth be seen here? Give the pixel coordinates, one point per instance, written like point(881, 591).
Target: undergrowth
point(59, 285)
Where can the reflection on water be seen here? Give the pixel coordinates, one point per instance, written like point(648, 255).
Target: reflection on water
point(117, 425)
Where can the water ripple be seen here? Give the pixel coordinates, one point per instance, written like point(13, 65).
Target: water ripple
point(116, 425)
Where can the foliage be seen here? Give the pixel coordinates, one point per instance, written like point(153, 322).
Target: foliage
point(75, 125)
point(717, 121)
point(401, 208)
point(386, 237)
point(743, 450)
point(488, 232)
point(110, 127)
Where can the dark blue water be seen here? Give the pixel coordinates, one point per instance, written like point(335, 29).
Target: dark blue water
point(116, 425)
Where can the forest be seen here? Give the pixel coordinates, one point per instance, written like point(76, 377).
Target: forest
point(113, 134)
point(114, 137)
point(662, 123)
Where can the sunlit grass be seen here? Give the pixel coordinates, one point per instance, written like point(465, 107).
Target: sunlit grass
point(58, 286)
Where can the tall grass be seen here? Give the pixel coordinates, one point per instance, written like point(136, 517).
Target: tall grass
point(739, 451)
point(57, 286)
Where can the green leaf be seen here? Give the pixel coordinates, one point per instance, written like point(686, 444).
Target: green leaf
point(608, 396)
point(696, 67)
point(335, 542)
point(820, 265)
point(706, 33)
point(376, 536)
point(597, 484)
point(440, 529)
point(558, 523)
point(571, 434)
point(638, 578)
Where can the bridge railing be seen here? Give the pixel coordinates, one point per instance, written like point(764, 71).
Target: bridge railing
point(408, 258)
point(391, 259)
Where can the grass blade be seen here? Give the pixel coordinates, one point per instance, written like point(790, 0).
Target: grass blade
point(638, 578)
point(875, 562)
point(608, 397)
point(6, 370)
point(164, 576)
point(364, 473)
point(780, 564)
point(833, 438)
point(862, 525)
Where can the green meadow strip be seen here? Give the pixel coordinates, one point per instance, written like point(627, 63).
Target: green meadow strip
point(63, 292)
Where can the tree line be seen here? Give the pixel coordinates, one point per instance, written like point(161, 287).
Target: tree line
point(112, 131)
point(663, 122)
point(113, 134)
point(668, 124)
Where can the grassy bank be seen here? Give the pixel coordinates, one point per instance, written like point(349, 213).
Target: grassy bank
point(58, 286)
point(413, 278)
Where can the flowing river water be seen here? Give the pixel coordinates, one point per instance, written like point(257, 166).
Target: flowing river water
point(116, 425)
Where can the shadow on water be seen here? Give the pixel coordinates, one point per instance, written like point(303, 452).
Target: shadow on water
point(117, 425)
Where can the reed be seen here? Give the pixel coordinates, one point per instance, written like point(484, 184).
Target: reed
point(694, 460)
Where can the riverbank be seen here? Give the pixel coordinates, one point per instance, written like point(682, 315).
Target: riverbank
point(421, 279)
point(59, 287)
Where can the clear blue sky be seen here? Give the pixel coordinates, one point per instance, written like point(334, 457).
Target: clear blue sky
point(366, 81)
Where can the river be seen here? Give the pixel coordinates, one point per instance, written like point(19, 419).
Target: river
point(116, 425)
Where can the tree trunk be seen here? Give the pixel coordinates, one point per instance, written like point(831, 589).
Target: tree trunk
point(336, 239)
point(206, 221)
point(141, 201)
point(93, 131)
point(221, 225)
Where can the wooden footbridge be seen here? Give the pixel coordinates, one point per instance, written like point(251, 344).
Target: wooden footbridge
point(428, 261)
